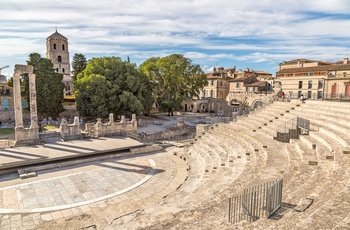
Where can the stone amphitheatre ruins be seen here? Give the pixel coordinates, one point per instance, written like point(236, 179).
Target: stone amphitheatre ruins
point(188, 185)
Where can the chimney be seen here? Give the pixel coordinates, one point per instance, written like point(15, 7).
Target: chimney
point(346, 61)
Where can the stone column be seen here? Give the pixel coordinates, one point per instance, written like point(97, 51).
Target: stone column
point(17, 100)
point(33, 107)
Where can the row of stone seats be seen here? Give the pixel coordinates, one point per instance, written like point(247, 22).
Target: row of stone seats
point(325, 182)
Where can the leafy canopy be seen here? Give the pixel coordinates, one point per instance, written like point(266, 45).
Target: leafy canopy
point(110, 85)
point(78, 64)
point(49, 86)
point(176, 79)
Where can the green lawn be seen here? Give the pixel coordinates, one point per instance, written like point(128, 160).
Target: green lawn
point(49, 127)
point(6, 131)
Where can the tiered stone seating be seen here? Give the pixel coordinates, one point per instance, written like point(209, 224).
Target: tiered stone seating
point(330, 178)
point(232, 156)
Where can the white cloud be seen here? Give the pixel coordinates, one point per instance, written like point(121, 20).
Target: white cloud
point(207, 31)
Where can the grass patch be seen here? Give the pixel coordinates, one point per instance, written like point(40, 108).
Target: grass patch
point(6, 131)
point(49, 127)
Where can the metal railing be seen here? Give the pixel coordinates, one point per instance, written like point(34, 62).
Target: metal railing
point(256, 202)
point(292, 129)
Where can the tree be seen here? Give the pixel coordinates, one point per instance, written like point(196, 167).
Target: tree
point(110, 85)
point(78, 64)
point(49, 86)
point(10, 82)
point(176, 79)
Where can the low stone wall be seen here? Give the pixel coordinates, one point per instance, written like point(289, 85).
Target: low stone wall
point(7, 117)
point(111, 128)
point(168, 134)
point(146, 149)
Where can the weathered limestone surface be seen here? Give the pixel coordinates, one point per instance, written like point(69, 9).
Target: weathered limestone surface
point(23, 135)
point(70, 131)
point(111, 128)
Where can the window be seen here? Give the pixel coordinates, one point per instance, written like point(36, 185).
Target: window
point(299, 94)
point(54, 46)
point(204, 93)
point(62, 47)
point(308, 94)
point(63, 70)
point(211, 93)
point(320, 84)
point(347, 90)
point(212, 82)
point(319, 94)
point(56, 69)
point(238, 85)
point(334, 89)
point(220, 83)
point(309, 85)
point(300, 84)
point(59, 59)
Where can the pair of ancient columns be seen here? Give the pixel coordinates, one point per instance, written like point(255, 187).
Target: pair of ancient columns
point(19, 70)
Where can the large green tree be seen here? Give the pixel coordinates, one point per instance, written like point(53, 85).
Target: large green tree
point(176, 79)
point(78, 64)
point(49, 86)
point(110, 85)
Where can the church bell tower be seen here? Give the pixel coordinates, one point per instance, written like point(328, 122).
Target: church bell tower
point(57, 52)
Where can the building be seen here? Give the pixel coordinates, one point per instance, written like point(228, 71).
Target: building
point(250, 81)
point(316, 79)
point(223, 85)
point(218, 83)
point(57, 51)
point(6, 98)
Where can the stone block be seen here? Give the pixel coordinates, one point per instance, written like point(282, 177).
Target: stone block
point(303, 205)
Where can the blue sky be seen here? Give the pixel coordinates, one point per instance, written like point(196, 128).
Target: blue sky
point(255, 34)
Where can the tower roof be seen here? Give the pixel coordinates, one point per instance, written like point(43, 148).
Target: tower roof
point(57, 35)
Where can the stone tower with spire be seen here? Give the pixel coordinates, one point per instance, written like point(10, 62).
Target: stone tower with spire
point(57, 52)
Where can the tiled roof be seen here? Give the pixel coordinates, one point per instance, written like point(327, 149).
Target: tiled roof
point(315, 69)
point(241, 79)
point(257, 83)
point(57, 35)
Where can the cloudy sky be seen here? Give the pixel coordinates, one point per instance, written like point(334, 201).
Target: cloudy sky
point(258, 34)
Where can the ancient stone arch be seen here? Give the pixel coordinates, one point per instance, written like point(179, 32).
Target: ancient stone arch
point(23, 135)
point(252, 99)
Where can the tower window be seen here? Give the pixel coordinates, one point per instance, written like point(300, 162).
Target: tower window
point(59, 59)
point(54, 46)
point(56, 69)
point(62, 47)
point(63, 70)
